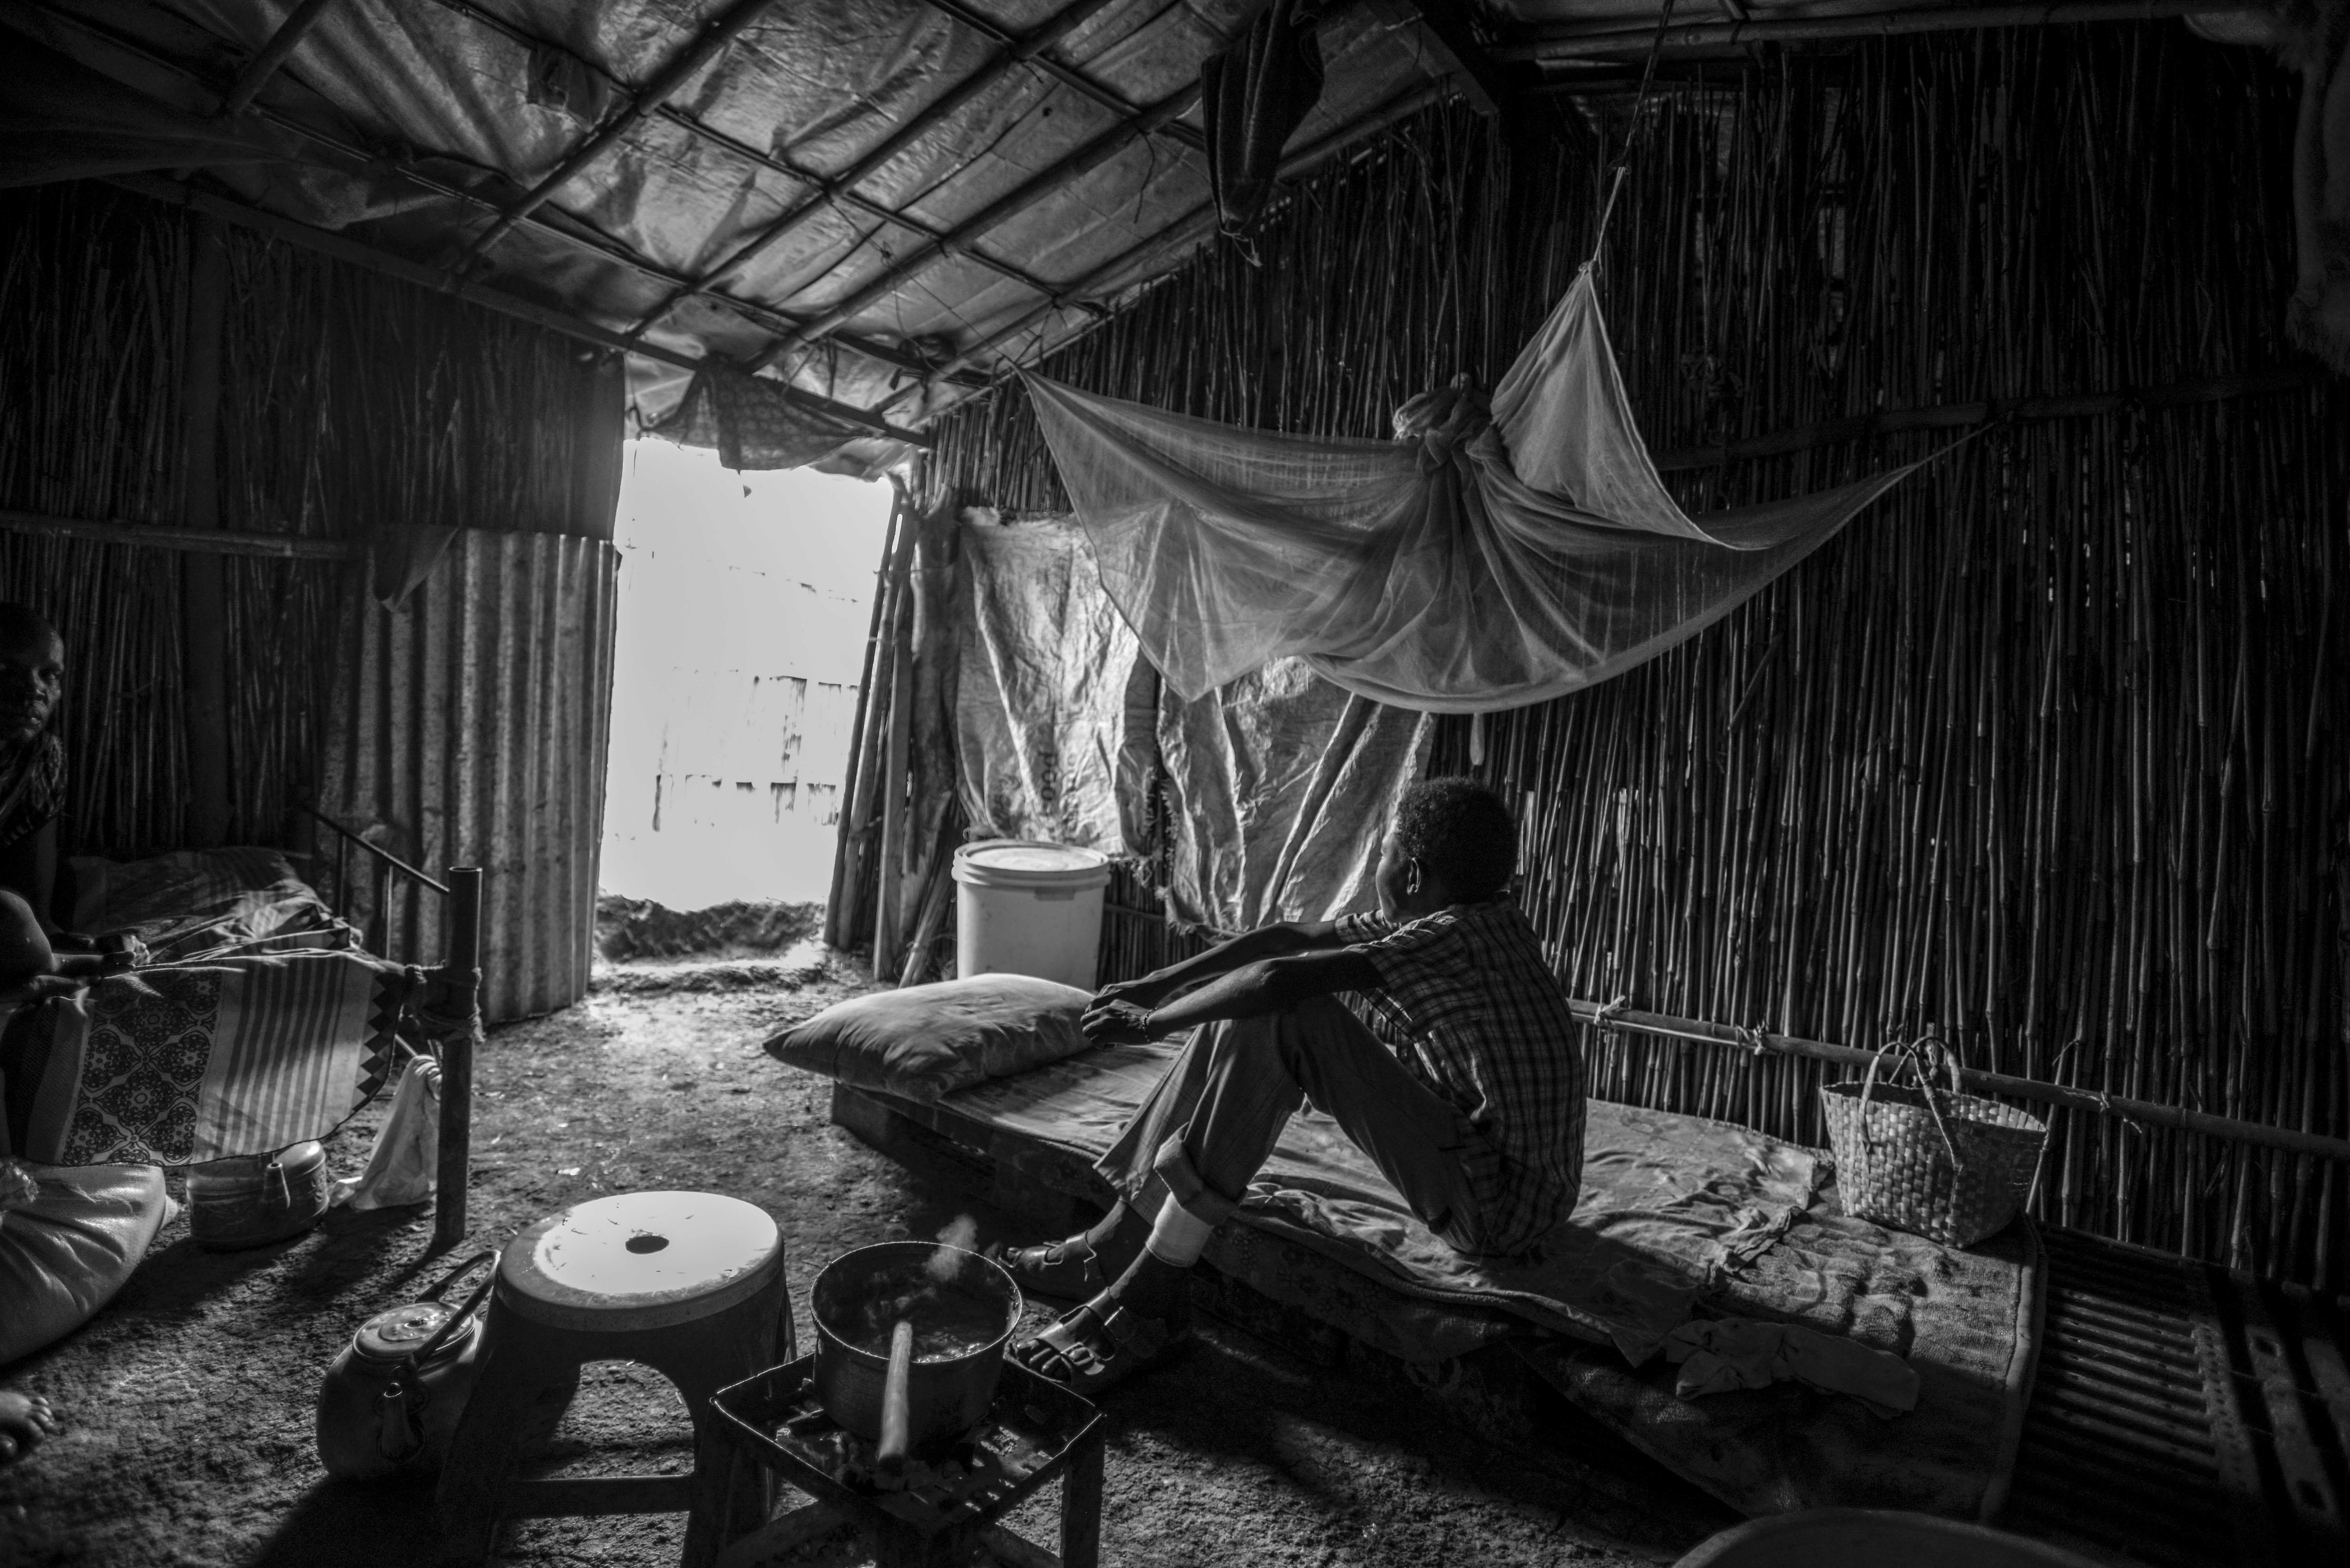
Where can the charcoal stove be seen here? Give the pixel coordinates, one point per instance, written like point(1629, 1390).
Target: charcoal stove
point(1035, 1431)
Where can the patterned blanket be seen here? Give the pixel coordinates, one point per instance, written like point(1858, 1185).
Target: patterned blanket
point(184, 1064)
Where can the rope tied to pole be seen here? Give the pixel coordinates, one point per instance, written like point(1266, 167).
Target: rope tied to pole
point(1631, 138)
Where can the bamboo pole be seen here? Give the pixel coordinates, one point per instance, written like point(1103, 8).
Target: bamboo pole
point(888, 867)
point(855, 794)
point(1572, 41)
point(1059, 177)
point(1665, 1026)
point(463, 973)
point(199, 541)
point(699, 51)
point(204, 630)
point(280, 49)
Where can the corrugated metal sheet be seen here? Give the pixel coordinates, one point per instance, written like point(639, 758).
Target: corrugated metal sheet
point(470, 728)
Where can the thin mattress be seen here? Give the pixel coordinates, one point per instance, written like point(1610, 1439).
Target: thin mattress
point(1679, 1217)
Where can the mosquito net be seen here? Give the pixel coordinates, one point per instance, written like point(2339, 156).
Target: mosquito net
point(1488, 558)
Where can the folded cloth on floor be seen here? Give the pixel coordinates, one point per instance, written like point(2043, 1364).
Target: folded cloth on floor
point(1716, 1355)
point(186, 1064)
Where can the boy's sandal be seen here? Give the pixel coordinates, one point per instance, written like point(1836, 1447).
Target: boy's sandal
point(1099, 1345)
point(1068, 1269)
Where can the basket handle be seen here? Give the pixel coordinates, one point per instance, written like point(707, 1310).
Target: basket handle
point(1920, 1051)
point(1911, 1054)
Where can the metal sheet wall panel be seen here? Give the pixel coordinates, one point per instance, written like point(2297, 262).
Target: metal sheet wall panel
point(470, 728)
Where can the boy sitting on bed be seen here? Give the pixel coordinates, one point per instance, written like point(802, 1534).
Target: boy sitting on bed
point(1462, 1079)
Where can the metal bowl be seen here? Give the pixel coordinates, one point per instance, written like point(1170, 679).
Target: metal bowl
point(946, 1397)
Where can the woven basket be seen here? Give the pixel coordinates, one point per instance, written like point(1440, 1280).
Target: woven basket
point(1953, 1167)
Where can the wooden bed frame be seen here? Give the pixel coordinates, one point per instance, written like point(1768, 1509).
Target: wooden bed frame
point(459, 972)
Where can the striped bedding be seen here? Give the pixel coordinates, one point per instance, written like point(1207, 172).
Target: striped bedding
point(187, 1062)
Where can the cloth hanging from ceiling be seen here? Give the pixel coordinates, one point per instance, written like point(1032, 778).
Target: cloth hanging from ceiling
point(1486, 558)
point(753, 423)
point(1252, 97)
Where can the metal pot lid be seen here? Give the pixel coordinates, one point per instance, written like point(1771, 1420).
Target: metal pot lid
point(391, 1336)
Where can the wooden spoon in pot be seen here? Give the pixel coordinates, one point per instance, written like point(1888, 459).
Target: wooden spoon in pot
point(889, 1458)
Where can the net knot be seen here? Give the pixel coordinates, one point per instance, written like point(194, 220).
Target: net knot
point(1444, 419)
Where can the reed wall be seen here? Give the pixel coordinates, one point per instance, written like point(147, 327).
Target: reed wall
point(2041, 755)
point(351, 406)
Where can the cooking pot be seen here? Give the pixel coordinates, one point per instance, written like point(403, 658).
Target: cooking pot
point(907, 1402)
point(251, 1201)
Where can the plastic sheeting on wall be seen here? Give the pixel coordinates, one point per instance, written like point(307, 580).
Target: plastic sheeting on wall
point(1280, 785)
point(1040, 689)
point(470, 728)
point(1280, 788)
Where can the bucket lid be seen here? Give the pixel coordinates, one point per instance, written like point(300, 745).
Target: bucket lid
point(1028, 862)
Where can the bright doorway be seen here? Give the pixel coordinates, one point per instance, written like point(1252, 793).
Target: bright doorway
point(745, 606)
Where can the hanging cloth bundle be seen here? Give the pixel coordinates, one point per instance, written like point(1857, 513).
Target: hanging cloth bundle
point(1486, 558)
point(1252, 97)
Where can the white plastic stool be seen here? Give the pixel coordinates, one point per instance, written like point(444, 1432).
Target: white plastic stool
point(688, 1284)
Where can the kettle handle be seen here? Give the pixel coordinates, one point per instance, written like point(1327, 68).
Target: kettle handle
point(453, 1275)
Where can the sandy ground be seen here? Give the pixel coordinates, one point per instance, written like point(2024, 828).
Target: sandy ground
point(189, 1402)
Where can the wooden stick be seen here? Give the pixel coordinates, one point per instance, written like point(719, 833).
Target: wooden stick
point(462, 970)
point(203, 541)
point(1667, 1027)
point(389, 265)
point(1958, 416)
point(856, 790)
point(1572, 41)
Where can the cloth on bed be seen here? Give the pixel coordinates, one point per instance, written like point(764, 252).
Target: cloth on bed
point(185, 1063)
point(198, 904)
point(1679, 1217)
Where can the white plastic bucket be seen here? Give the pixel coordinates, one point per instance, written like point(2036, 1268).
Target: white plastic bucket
point(1025, 908)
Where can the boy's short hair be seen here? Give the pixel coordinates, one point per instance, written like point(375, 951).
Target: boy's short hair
point(1462, 832)
point(23, 623)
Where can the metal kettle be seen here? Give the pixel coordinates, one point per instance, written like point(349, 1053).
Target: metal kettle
point(391, 1399)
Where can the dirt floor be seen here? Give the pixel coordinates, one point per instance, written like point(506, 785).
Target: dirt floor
point(189, 1402)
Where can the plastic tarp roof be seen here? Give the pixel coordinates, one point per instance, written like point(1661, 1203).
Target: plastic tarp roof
point(414, 121)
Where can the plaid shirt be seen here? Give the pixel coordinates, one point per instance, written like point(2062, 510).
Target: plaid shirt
point(1471, 1008)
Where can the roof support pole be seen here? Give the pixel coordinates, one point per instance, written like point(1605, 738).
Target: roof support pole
point(1067, 75)
point(204, 600)
point(1454, 47)
point(1586, 40)
point(274, 54)
point(673, 77)
point(1196, 224)
point(932, 116)
point(1075, 167)
point(363, 256)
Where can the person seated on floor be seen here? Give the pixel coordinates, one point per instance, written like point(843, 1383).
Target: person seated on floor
point(1462, 1079)
point(32, 762)
point(24, 955)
